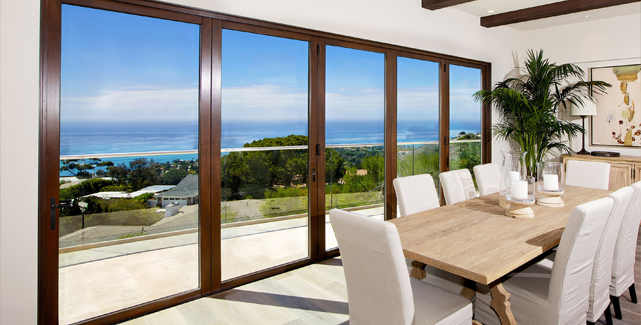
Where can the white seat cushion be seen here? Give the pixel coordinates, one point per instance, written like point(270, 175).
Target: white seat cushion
point(434, 305)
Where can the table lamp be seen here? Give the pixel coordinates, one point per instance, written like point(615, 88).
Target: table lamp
point(588, 109)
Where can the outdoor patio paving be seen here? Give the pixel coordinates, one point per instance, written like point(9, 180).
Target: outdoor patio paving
point(105, 279)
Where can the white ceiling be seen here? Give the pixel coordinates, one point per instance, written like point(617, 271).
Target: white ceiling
point(480, 8)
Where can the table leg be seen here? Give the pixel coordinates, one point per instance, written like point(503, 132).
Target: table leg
point(469, 289)
point(418, 270)
point(500, 303)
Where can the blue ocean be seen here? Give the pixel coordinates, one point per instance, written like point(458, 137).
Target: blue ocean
point(84, 138)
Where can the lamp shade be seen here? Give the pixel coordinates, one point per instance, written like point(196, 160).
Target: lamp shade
point(589, 108)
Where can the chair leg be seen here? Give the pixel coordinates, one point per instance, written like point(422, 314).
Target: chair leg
point(617, 307)
point(633, 294)
point(608, 316)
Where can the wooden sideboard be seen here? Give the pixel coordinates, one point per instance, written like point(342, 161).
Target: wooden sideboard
point(624, 170)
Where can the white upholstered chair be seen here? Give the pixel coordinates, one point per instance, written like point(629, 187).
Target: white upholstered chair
point(560, 296)
point(602, 268)
point(625, 251)
point(591, 174)
point(415, 194)
point(457, 186)
point(379, 289)
point(488, 178)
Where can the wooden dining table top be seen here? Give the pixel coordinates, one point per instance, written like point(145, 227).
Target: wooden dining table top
point(476, 240)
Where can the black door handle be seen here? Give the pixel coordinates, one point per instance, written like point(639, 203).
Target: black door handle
point(54, 206)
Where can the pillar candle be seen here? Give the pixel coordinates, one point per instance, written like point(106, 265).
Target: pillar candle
point(519, 190)
point(550, 182)
point(515, 176)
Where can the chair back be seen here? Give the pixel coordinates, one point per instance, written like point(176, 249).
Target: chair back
point(626, 246)
point(457, 186)
point(602, 268)
point(415, 194)
point(570, 279)
point(592, 174)
point(378, 283)
point(488, 178)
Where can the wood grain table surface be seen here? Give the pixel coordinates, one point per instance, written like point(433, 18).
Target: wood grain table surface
point(476, 240)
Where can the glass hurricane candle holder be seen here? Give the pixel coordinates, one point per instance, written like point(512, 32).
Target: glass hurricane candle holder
point(550, 184)
point(520, 194)
point(513, 169)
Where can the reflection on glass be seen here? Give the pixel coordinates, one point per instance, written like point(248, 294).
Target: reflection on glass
point(129, 91)
point(264, 163)
point(418, 118)
point(465, 118)
point(355, 164)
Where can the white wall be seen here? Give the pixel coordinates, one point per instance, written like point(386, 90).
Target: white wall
point(19, 64)
point(401, 22)
point(598, 43)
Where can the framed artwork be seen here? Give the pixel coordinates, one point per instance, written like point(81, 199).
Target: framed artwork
point(617, 122)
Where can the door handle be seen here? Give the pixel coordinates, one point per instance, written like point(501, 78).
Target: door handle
point(54, 206)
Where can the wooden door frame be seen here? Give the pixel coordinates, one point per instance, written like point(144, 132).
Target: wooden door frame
point(49, 159)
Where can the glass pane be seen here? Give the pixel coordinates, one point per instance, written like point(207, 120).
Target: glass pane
point(128, 161)
point(465, 118)
point(418, 118)
point(354, 133)
point(265, 157)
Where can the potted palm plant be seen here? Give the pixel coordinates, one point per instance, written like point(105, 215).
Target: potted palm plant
point(528, 106)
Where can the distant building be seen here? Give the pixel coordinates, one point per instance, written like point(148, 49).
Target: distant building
point(185, 193)
point(125, 195)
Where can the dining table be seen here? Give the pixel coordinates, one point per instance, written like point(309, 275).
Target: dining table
point(476, 240)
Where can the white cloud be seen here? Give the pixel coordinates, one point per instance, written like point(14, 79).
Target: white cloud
point(140, 103)
point(355, 103)
point(264, 102)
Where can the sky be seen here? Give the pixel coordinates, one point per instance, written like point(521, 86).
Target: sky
point(125, 68)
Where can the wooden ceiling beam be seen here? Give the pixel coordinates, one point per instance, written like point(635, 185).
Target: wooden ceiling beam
point(440, 4)
point(549, 10)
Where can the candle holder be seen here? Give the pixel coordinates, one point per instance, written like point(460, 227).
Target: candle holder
point(513, 169)
point(550, 184)
point(521, 195)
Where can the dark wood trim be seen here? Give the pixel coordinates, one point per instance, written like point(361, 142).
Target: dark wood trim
point(265, 31)
point(444, 122)
point(49, 155)
point(549, 10)
point(140, 310)
point(440, 4)
point(417, 56)
point(314, 213)
point(320, 131)
point(486, 118)
point(355, 46)
point(390, 133)
point(127, 8)
point(255, 276)
point(205, 157)
point(216, 91)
